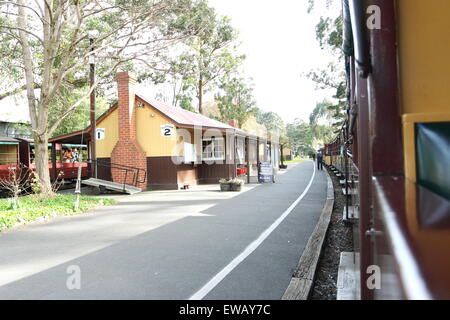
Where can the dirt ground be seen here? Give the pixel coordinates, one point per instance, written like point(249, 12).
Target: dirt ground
point(339, 238)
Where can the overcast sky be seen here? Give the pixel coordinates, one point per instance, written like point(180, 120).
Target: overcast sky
point(278, 38)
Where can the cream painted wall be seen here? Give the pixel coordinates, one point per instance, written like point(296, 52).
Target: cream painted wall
point(110, 124)
point(424, 51)
point(148, 129)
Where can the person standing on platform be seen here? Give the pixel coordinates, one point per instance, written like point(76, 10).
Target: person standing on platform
point(319, 158)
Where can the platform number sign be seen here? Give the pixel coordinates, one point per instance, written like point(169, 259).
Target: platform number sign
point(167, 130)
point(100, 133)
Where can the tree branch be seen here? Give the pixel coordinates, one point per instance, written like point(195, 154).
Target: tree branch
point(16, 91)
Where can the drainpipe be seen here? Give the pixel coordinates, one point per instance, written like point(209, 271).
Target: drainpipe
point(358, 20)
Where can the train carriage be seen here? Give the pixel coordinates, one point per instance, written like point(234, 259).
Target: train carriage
point(9, 155)
point(395, 144)
point(18, 152)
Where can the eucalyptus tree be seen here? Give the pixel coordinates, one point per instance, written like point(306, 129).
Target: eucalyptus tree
point(196, 66)
point(300, 137)
point(329, 34)
point(271, 120)
point(235, 101)
point(47, 44)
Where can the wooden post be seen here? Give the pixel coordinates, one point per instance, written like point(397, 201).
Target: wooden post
point(92, 114)
point(78, 185)
point(54, 174)
point(247, 158)
point(257, 151)
point(234, 155)
point(257, 158)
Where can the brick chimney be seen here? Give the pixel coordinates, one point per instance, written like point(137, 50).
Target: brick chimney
point(233, 123)
point(127, 151)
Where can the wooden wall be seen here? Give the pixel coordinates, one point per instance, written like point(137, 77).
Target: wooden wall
point(111, 125)
point(424, 51)
point(212, 173)
point(148, 126)
point(162, 173)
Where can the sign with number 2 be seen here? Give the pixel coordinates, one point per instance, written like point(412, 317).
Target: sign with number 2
point(167, 130)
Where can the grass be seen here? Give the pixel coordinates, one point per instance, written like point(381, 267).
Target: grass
point(33, 208)
point(294, 161)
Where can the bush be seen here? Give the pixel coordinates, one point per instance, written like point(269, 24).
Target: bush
point(236, 181)
point(34, 207)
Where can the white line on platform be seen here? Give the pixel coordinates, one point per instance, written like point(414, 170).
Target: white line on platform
point(200, 294)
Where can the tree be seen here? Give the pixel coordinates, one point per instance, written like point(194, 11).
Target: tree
point(271, 120)
point(329, 34)
point(202, 60)
point(236, 100)
point(326, 110)
point(50, 48)
point(79, 118)
point(300, 137)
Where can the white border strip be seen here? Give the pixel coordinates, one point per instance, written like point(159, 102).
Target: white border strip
point(200, 294)
point(413, 282)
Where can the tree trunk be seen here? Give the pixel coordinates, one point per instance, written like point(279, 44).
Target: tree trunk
point(41, 162)
point(200, 95)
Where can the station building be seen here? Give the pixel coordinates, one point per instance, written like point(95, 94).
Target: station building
point(173, 146)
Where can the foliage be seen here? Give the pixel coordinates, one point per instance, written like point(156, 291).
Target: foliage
point(202, 60)
point(79, 118)
point(47, 46)
point(236, 181)
point(329, 111)
point(296, 160)
point(236, 100)
point(33, 207)
point(305, 138)
point(329, 34)
point(301, 137)
point(15, 183)
point(21, 130)
point(271, 120)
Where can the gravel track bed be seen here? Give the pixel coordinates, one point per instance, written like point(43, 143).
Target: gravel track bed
point(339, 238)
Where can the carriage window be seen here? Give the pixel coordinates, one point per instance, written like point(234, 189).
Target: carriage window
point(433, 157)
point(8, 153)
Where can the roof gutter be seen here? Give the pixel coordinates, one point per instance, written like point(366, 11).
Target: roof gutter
point(347, 45)
point(361, 47)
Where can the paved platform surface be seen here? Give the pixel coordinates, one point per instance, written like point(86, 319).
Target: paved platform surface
point(169, 244)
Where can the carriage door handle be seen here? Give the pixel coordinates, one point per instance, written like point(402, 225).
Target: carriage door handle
point(373, 233)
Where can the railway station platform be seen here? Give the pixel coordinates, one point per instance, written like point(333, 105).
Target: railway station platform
point(198, 243)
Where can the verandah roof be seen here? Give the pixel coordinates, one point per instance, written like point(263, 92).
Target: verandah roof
point(8, 141)
point(181, 117)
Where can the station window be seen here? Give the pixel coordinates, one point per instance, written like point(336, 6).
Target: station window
point(213, 148)
point(240, 151)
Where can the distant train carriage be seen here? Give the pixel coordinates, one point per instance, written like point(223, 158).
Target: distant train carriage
point(9, 155)
point(16, 152)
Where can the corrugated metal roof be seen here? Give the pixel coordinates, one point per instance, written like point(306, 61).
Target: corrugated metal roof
point(184, 117)
point(180, 116)
point(8, 139)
